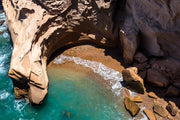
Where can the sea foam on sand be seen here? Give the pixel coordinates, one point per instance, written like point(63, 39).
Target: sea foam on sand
point(113, 77)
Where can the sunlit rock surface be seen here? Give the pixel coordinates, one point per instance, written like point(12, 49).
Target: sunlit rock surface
point(39, 27)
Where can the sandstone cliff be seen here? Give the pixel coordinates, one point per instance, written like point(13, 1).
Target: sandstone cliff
point(39, 27)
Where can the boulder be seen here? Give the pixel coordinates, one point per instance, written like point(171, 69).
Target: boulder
point(2, 22)
point(159, 109)
point(133, 80)
point(156, 79)
point(150, 114)
point(152, 95)
point(136, 99)
point(172, 108)
point(131, 106)
point(140, 58)
point(172, 92)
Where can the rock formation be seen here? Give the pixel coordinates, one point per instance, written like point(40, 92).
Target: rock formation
point(133, 80)
point(39, 27)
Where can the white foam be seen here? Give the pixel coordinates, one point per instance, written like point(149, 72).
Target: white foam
point(4, 95)
point(19, 105)
point(111, 75)
point(114, 77)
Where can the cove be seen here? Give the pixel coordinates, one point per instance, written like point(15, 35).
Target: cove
point(71, 96)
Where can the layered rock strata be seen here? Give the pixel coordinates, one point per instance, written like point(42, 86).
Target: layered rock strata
point(39, 27)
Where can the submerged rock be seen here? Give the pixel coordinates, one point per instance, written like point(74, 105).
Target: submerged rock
point(131, 106)
point(2, 22)
point(133, 80)
point(66, 114)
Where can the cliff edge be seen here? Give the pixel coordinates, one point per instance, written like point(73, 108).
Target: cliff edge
point(39, 27)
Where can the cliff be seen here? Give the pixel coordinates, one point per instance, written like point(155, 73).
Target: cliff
point(39, 27)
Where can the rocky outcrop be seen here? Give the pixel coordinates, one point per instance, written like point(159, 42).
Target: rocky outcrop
point(39, 27)
point(152, 25)
point(133, 80)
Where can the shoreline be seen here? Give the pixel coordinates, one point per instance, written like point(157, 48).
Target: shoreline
point(71, 65)
point(83, 53)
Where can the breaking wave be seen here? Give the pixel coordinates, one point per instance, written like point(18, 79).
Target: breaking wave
point(113, 77)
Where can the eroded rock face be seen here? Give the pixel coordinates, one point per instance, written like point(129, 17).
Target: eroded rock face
point(154, 25)
point(133, 80)
point(39, 27)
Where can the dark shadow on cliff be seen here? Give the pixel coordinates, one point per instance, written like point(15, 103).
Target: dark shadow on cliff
point(113, 52)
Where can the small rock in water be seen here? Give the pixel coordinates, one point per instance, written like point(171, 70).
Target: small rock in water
point(1, 11)
point(2, 22)
point(66, 114)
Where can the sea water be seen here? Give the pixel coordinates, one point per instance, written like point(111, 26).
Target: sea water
point(71, 95)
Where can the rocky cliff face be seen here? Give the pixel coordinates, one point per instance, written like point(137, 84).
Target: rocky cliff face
point(40, 27)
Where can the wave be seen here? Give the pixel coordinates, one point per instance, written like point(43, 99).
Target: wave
point(4, 95)
point(113, 77)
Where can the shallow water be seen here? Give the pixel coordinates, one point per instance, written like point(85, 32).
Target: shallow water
point(71, 96)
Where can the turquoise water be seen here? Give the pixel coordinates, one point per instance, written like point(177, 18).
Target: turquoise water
point(71, 96)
